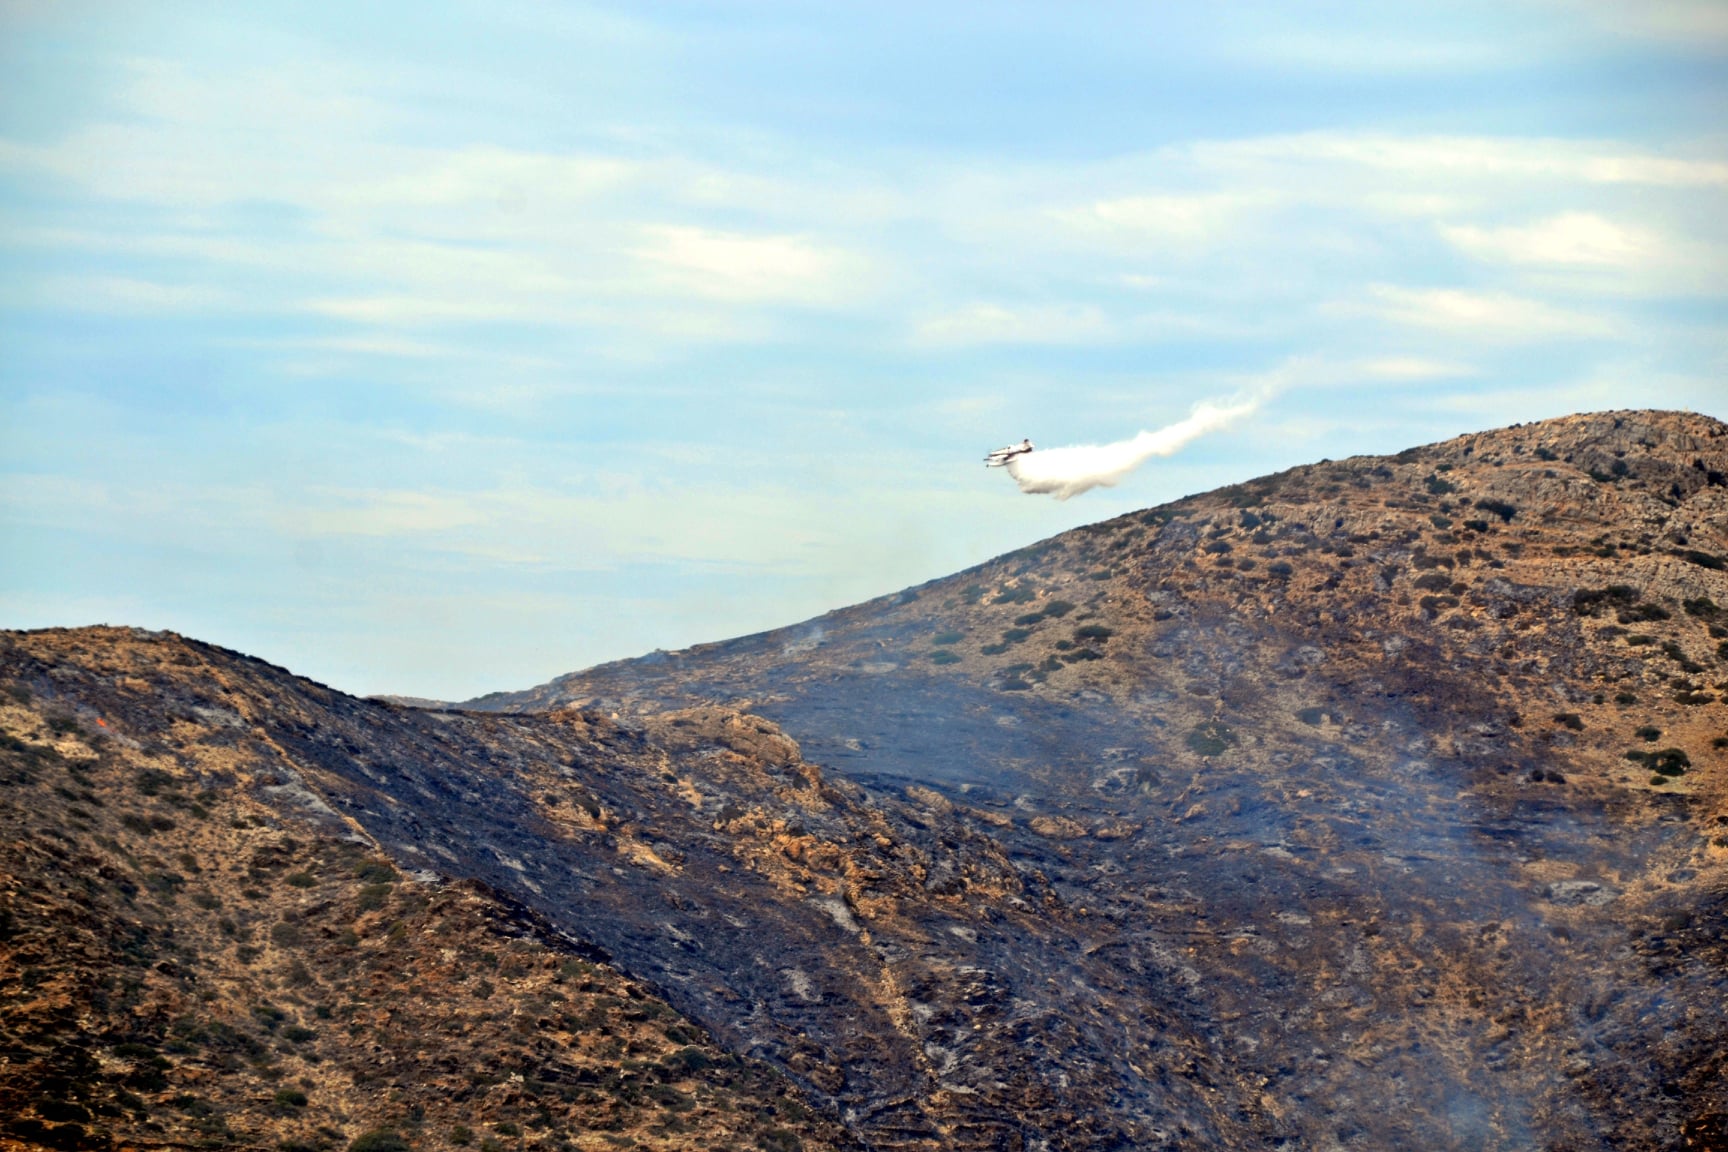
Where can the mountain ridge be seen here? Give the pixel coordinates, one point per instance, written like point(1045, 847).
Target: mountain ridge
point(1298, 813)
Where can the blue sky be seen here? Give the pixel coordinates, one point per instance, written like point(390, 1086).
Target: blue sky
point(436, 348)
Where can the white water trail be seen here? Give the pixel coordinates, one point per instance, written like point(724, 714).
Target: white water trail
point(1067, 472)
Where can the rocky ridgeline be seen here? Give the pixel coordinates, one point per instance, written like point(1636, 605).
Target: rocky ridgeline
point(1378, 803)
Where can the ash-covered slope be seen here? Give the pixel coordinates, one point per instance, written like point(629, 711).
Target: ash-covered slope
point(1298, 814)
point(1394, 752)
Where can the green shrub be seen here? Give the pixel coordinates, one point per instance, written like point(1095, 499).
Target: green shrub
point(1279, 570)
point(292, 1097)
point(152, 781)
point(461, 1134)
point(1589, 601)
point(1649, 733)
point(1702, 607)
point(1059, 608)
point(1476, 525)
point(1030, 618)
point(1434, 582)
point(1093, 632)
point(1021, 595)
point(1439, 487)
point(1499, 508)
point(1312, 716)
point(375, 872)
point(1639, 613)
point(1668, 762)
point(1212, 738)
point(379, 1140)
point(1640, 640)
point(1015, 635)
point(993, 649)
point(1625, 698)
point(944, 656)
point(372, 896)
point(505, 1128)
point(1702, 559)
point(301, 880)
point(945, 638)
point(1569, 720)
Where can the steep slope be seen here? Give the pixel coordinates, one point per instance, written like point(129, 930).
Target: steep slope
point(1467, 698)
point(196, 950)
point(1298, 814)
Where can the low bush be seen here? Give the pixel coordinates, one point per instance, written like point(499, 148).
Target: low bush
point(1702, 559)
point(379, 1140)
point(1499, 508)
point(1213, 738)
point(1569, 720)
point(943, 656)
point(1093, 632)
point(1590, 601)
point(1668, 762)
point(1649, 733)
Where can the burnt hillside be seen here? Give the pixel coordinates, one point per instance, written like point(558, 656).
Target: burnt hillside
point(1378, 803)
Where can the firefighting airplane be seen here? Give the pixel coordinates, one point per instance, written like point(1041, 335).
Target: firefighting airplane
point(1001, 456)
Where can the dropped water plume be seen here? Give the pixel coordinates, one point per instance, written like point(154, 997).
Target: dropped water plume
point(1066, 472)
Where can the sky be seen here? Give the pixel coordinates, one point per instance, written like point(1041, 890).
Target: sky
point(436, 348)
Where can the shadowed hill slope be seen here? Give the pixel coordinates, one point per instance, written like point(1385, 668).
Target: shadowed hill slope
point(1374, 804)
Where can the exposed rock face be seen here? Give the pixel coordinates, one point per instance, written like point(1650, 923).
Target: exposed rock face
point(1297, 814)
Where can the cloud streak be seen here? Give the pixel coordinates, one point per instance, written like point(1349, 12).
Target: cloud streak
point(1067, 472)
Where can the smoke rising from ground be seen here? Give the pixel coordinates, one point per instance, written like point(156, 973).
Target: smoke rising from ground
point(1066, 472)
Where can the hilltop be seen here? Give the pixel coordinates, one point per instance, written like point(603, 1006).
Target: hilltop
point(1377, 803)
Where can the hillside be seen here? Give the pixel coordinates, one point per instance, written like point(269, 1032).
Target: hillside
point(1378, 803)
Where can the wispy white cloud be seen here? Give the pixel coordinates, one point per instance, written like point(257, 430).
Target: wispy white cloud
point(1493, 317)
point(999, 324)
point(1574, 238)
point(1689, 23)
point(738, 266)
point(1191, 219)
point(124, 294)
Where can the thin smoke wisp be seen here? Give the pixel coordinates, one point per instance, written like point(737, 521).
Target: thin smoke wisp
point(1067, 472)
